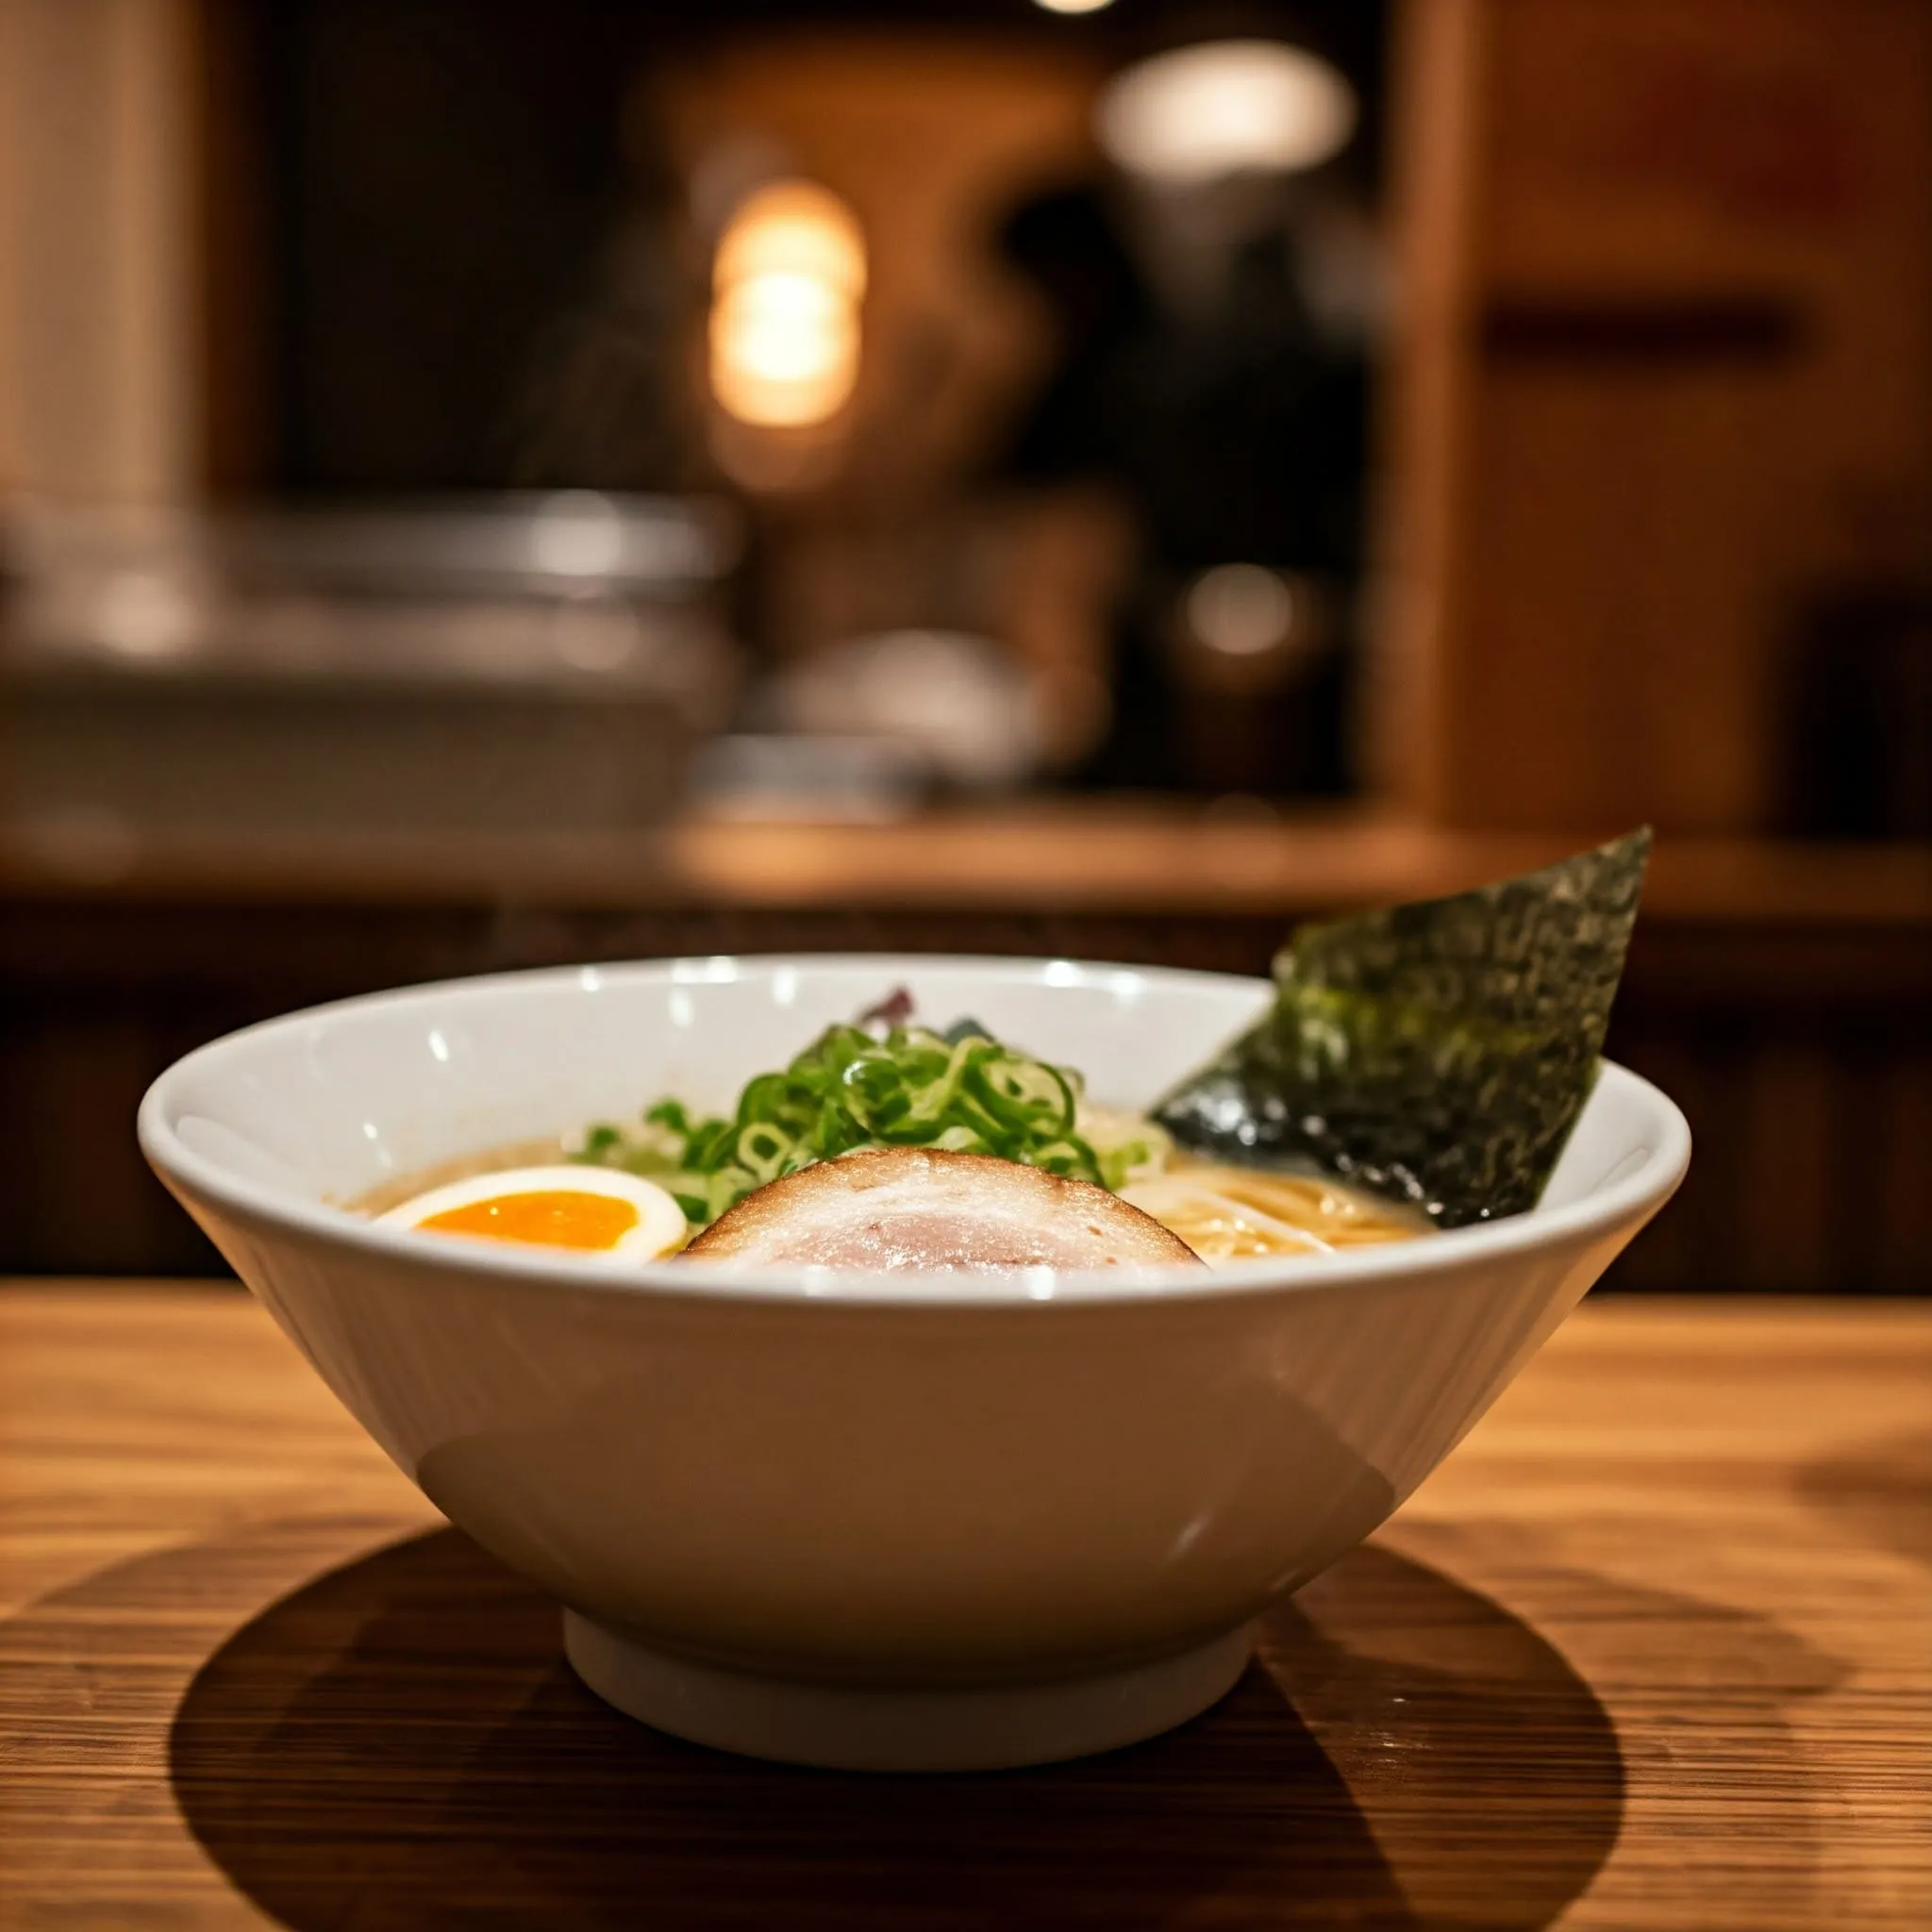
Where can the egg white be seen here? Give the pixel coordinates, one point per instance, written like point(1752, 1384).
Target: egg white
point(659, 1230)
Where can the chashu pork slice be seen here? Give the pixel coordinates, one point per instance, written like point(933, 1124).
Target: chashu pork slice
point(894, 1208)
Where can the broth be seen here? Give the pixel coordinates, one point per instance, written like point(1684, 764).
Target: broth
point(1225, 1214)
point(393, 1192)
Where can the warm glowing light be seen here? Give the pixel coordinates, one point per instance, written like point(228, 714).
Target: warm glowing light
point(1240, 609)
point(787, 283)
point(1226, 107)
point(1072, 6)
point(792, 228)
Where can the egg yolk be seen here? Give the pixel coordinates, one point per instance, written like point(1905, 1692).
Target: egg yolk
point(562, 1218)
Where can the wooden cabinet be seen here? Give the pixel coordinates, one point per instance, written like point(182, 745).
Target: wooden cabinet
point(1664, 376)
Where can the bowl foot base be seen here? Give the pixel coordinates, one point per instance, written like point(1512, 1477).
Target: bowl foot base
point(992, 1727)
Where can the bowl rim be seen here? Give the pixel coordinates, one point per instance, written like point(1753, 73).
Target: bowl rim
point(1630, 1196)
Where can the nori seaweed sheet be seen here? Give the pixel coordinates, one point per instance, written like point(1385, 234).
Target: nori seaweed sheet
point(1439, 1052)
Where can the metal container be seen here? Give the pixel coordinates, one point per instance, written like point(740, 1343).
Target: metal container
point(525, 664)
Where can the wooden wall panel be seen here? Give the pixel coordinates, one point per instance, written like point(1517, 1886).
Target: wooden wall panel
point(1890, 1131)
point(1666, 375)
point(1615, 618)
point(99, 374)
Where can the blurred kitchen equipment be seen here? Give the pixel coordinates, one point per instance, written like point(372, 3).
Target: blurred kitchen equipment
point(506, 663)
point(958, 701)
point(872, 728)
point(768, 776)
point(1243, 630)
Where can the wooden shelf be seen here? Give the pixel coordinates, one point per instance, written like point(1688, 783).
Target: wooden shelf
point(1041, 856)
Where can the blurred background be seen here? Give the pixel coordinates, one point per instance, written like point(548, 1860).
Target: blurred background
point(492, 482)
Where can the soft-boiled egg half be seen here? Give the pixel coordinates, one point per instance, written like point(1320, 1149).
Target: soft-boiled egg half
point(594, 1211)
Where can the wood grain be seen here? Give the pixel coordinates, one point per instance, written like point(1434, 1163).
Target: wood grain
point(1654, 1649)
point(1036, 856)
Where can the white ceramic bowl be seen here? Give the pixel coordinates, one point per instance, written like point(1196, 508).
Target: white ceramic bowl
point(885, 1523)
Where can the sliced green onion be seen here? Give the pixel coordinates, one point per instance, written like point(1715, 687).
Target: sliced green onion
point(962, 1091)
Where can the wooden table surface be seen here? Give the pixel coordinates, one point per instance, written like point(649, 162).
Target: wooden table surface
point(1653, 1650)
